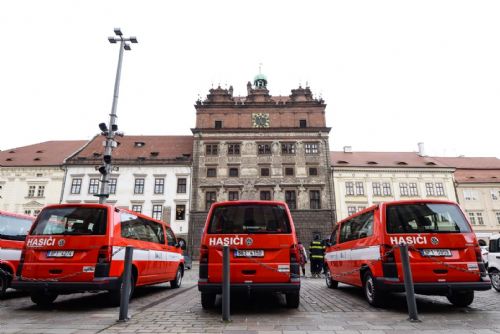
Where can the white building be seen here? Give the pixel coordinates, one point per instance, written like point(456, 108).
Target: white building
point(32, 176)
point(152, 175)
point(362, 179)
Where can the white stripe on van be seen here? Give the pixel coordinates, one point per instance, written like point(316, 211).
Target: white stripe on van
point(367, 253)
point(146, 255)
point(10, 254)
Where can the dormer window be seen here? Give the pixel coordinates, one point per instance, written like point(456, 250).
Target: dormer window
point(342, 162)
point(39, 151)
point(155, 154)
point(141, 158)
point(8, 159)
point(12, 151)
point(96, 154)
point(430, 163)
point(402, 163)
point(303, 123)
point(139, 144)
point(372, 163)
point(218, 124)
point(37, 159)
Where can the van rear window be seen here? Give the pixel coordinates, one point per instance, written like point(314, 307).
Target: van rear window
point(249, 219)
point(425, 218)
point(71, 221)
point(14, 228)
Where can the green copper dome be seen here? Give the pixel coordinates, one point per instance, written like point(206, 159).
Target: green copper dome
point(260, 76)
point(260, 81)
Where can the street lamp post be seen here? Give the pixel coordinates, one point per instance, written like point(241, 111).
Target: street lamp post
point(112, 130)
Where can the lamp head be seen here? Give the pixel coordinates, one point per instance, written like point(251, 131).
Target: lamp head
point(118, 32)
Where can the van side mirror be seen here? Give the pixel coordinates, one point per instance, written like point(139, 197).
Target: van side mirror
point(181, 243)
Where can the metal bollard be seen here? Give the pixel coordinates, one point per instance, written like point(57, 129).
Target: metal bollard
point(125, 291)
point(408, 278)
point(226, 279)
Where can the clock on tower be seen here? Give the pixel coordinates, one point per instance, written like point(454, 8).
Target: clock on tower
point(260, 120)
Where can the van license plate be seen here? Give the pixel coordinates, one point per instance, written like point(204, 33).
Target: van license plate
point(59, 253)
point(436, 252)
point(249, 253)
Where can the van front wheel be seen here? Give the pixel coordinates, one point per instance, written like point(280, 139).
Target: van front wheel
point(207, 300)
point(4, 282)
point(461, 298)
point(495, 279)
point(176, 283)
point(330, 282)
point(373, 294)
point(43, 299)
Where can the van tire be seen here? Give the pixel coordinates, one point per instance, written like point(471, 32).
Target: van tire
point(42, 298)
point(4, 283)
point(115, 295)
point(208, 300)
point(176, 283)
point(373, 294)
point(461, 298)
point(292, 299)
point(495, 279)
point(330, 282)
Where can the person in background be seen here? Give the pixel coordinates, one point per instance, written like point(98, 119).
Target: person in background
point(316, 254)
point(302, 257)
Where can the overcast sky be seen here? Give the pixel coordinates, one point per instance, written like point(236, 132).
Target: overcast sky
point(393, 73)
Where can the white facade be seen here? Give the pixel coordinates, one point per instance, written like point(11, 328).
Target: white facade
point(28, 189)
point(373, 185)
point(156, 191)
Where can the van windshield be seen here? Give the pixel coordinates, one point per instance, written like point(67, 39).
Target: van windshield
point(71, 221)
point(14, 228)
point(249, 219)
point(425, 218)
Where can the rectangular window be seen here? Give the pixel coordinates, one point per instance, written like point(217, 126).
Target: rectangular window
point(377, 190)
point(41, 191)
point(180, 212)
point(498, 217)
point(210, 198)
point(470, 195)
point(112, 186)
point(494, 195)
point(479, 216)
point(233, 196)
point(303, 123)
point(233, 172)
point(287, 148)
point(289, 171)
point(349, 188)
point(351, 210)
point(403, 189)
point(386, 189)
point(212, 149)
point(218, 124)
point(315, 199)
point(76, 186)
point(311, 148)
point(157, 211)
point(413, 189)
point(31, 191)
point(291, 199)
point(137, 208)
point(211, 172)
point(181, 185)
point(265, 195)
point(159, 185)
point(139, 186)
point(94, 186)
point(27, 212)
point(360, 189)
point(233, 149)
point(264, 148)
point(429, 189)
point(313, 171)
point(264, 171)
point(472, 218)
point(439, 189)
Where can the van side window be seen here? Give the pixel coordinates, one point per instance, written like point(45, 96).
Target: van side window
point(357, 228)
point(333, 237)
point(155, 231)
point(170, 237)
point(345, 231)
point(494, 246)
point(138, 228)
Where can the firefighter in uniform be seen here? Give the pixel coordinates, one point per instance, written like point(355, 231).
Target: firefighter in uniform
point(316, 254)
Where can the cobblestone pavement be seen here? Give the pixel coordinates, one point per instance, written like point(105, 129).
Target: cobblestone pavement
point(160, 309)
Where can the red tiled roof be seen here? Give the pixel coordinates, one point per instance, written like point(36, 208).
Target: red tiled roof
point(49, 153)
point(383, 159)
point(140, 148)
point(470, 162)
point(477, 176)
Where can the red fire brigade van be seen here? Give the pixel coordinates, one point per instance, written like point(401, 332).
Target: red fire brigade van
point(445, 257)
point(263, 250)
point(81, 247)
point(13, 230)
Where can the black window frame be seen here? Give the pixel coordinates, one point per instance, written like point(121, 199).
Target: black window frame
point(263, 195)
point(233, 195)
point(311, 148)
point(233, 172)
point(264, 149)
point(113, 182)
point(233, 149)
point(210, 198)
point(211, 172)
point(266, 174)
point(180, 212)
point(139, 185)
point(159, 186)
point(181, 185)
point(212, 149)
point(291, 199)
point(288, 148)
point(93, 186)
point(155, 212)
point(76, 183)
point(314, 199)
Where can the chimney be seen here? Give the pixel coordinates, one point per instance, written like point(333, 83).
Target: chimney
point(421, 151)
point(347, 149)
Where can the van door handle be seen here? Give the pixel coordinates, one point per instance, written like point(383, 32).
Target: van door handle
point(498, 257)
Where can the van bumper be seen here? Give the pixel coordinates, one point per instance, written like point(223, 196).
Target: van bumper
point(443, 288)
point(106, 283)
point(248, 287)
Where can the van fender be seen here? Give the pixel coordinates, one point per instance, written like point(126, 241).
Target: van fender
point(490, 269)
point(8, 267)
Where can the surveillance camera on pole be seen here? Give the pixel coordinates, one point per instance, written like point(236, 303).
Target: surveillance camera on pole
point(111, 130)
